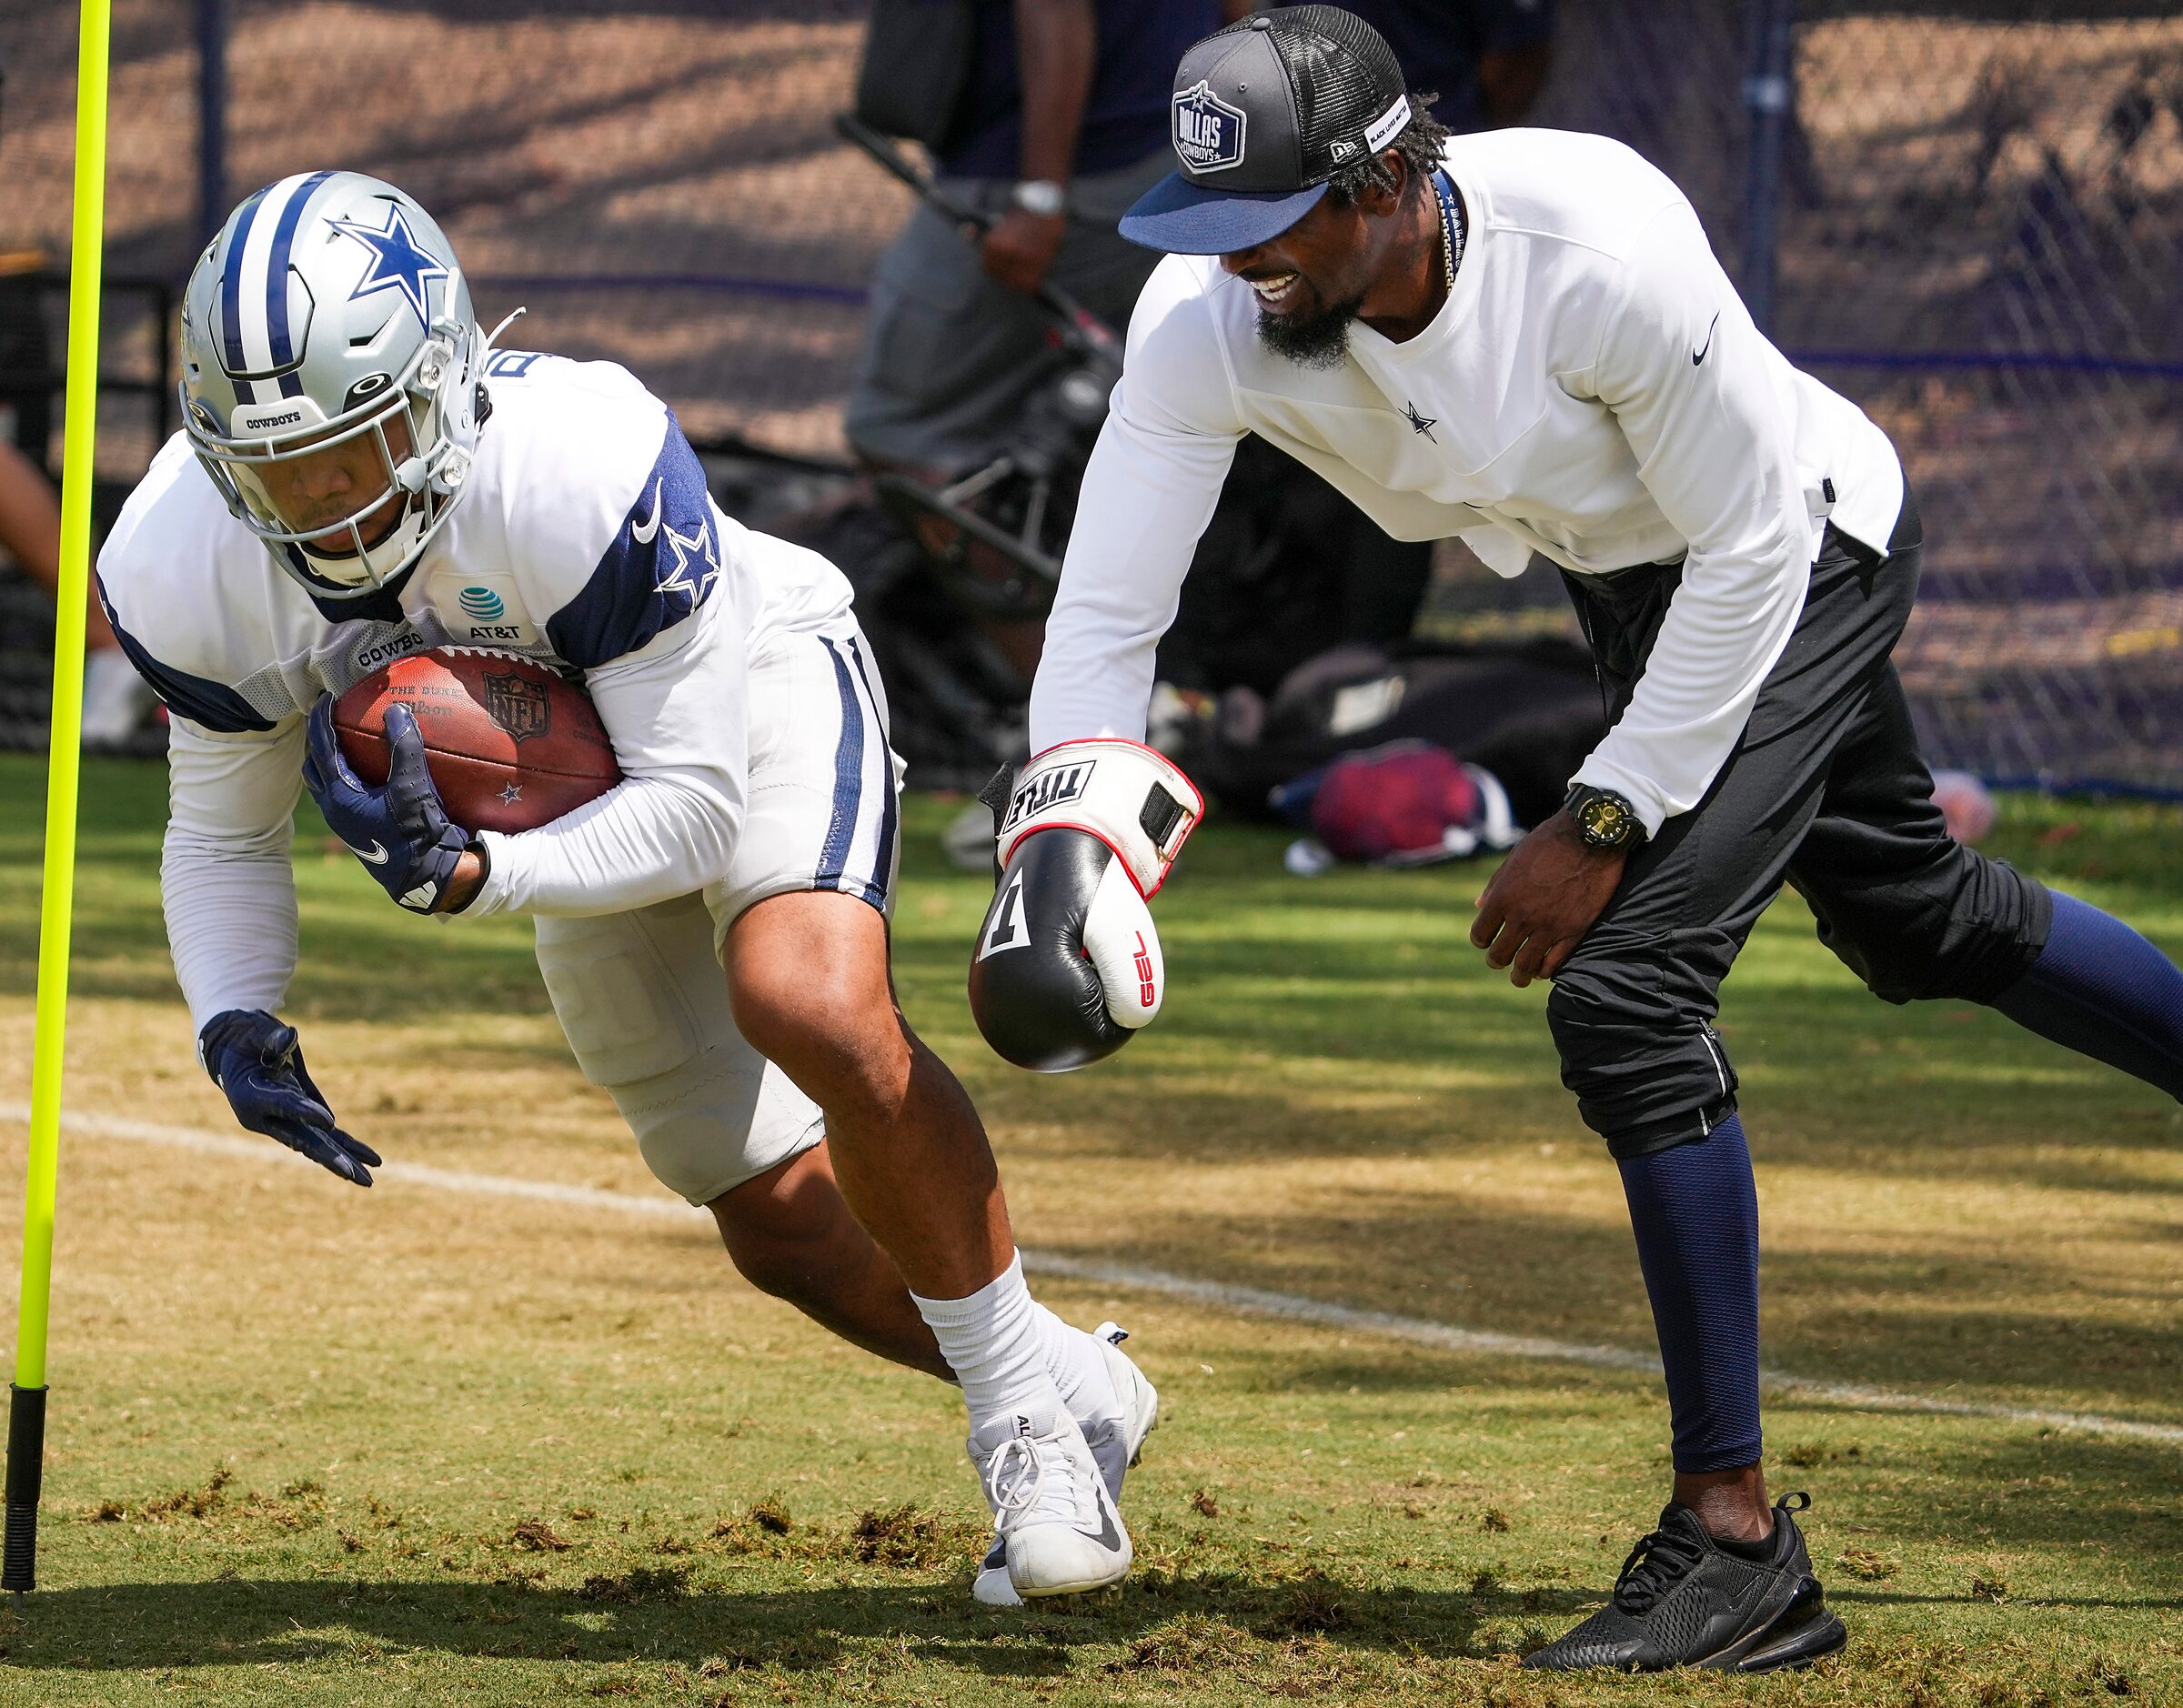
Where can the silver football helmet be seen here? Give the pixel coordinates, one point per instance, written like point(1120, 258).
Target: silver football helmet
point(332, 376)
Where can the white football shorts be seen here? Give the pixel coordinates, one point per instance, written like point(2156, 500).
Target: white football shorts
point(641, 996)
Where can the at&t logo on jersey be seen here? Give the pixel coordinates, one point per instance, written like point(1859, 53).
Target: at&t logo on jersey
point(1209, 133)
point(480, 603)
point(1048, 788)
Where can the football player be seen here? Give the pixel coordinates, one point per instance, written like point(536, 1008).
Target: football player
point(362, 475)
point(1524, 338)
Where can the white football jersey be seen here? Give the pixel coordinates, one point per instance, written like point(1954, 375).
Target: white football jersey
point(586, 540)
point(586, 532)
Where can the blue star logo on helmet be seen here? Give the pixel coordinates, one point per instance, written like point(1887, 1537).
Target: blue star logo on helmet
point(397, 262)
point(1209, 133)
point(480, 602)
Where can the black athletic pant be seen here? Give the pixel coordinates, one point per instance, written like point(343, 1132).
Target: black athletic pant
point(1825, 790)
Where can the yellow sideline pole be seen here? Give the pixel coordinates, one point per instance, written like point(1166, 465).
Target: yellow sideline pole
point(27, 1397)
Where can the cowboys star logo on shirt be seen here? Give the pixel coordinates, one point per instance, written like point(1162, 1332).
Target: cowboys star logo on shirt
point(1209, 133)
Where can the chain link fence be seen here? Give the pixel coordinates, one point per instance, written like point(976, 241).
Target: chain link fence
point(1966, 216)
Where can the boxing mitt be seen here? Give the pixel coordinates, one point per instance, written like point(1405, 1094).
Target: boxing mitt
point(1068, 964)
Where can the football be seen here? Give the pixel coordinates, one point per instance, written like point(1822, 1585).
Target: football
point(511, 744)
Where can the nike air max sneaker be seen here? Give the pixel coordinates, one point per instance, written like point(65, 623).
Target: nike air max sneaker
point(1116, 1441)
point(1054, 1517)
point(1684, 1599)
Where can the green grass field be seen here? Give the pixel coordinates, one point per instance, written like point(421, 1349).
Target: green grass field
point(312, 1445)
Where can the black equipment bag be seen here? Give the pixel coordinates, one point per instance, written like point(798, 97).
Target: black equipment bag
point(917, 60)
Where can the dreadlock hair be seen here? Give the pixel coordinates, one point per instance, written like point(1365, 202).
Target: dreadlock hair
point(1419, 143)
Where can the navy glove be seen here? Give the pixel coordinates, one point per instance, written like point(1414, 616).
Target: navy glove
point(400, 832)
point(256, 1059)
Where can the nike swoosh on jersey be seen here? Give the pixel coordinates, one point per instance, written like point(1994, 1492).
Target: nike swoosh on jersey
point(643, 532)
point(1708, 344)
point(376, 855)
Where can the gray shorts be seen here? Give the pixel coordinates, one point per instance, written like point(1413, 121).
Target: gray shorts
point(949, 356)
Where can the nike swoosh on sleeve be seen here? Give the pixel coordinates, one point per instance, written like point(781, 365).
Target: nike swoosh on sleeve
point(373, 856)
point(643, 532)
point(1700, 357)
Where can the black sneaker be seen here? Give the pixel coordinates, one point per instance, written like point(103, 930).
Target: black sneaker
point(1683, 1600)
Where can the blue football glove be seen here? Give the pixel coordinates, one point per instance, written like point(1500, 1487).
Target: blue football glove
point(256, 1059)
point(400, 832)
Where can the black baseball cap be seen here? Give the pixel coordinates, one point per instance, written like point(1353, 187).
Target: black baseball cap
point(1265, 112)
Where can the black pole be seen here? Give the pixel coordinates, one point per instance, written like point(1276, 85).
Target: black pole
point(212, 117)
point(1769, 97)
point(25, 1473)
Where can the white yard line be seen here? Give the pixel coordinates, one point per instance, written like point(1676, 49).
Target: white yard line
point(1217, 1295)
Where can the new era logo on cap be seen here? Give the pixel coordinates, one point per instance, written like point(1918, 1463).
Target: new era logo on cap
point(1209, 133)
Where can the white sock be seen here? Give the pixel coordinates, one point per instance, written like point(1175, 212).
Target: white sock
point(1074, 1359)
point(995, 1344)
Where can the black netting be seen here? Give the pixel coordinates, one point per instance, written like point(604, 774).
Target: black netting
point(1343, 75)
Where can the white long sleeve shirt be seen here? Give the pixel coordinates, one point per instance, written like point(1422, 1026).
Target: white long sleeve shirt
point(587, 541)
point(1592, 390)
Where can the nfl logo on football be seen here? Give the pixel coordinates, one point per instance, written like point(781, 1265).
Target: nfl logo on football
point(517, 706)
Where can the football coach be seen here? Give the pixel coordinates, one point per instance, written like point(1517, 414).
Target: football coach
point(1522, 339)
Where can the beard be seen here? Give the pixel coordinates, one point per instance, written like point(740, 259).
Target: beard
point(1318, 339)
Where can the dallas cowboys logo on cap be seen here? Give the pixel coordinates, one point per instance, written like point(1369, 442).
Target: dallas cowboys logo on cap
point(1209, 133)
point(397, 263)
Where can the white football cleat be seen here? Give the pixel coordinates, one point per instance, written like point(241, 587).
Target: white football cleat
point(1115, 1442)
point(1054, 1519)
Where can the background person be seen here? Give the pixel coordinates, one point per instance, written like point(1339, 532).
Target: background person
point(1063, 125)
point(114, 700)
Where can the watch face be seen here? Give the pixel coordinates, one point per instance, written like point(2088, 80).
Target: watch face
point(1604, 821)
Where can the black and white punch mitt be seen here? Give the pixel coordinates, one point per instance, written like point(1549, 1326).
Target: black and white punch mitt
point(1068, 965)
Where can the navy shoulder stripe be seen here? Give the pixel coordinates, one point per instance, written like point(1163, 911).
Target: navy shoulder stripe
point(199, 698)
point(662, 563)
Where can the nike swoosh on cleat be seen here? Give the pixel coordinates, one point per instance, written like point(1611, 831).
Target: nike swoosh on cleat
point(1708, 344)
point(643, 532)
point(373, 856)
point(1107, 1536)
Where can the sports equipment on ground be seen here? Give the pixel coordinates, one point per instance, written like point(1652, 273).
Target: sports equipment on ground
point(1068, 964)
point(400, 832)
point(1054, 1517)
point(1115, 1442)
point(328, 321)
point(257, 1061)
point(511, 744)
point(1684, 1599)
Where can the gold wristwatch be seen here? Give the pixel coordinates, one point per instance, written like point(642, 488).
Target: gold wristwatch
point(1603, 819)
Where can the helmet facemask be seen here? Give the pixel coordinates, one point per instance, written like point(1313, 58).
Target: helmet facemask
point(351, 500)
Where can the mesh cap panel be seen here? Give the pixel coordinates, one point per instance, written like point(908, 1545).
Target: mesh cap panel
point(1345, 78)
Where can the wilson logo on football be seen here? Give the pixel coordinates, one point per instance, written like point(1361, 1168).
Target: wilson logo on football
point(1048, 788)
